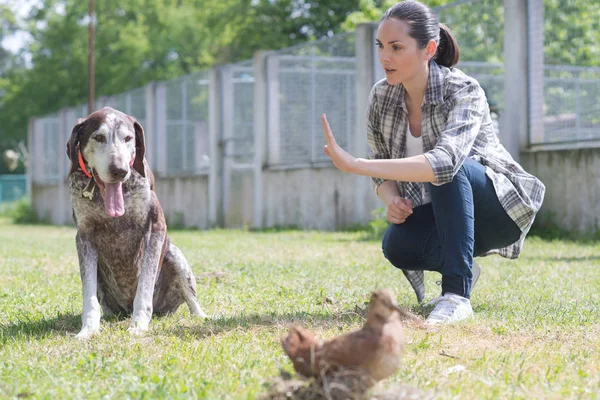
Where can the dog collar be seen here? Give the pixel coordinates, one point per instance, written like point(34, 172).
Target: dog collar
point(82, 165)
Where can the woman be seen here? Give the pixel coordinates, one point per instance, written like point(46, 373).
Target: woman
point(452, 190)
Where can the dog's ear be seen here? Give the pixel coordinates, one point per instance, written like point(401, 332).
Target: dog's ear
point(140, 148)
point(73, 145)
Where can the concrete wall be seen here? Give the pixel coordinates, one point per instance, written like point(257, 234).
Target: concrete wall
point(52, 204)
point(322, 198)
point(572, 179)
point(184, 200)
point(311, 198)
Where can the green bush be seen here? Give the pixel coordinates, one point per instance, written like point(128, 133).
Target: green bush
point(20, 212)
point(379, 224)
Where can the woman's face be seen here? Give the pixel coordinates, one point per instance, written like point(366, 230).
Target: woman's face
point(399, 54)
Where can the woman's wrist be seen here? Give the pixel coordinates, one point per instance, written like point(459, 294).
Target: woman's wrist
point(359, 167)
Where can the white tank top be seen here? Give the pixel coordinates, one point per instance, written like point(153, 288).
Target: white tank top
point(414, 147)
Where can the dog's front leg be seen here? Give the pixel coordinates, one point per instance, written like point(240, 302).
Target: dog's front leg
point(142, 304)
point(88, 268)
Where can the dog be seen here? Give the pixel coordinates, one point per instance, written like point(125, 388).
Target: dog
point(127, 264)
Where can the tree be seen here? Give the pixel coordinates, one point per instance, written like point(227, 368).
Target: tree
point(138, 41)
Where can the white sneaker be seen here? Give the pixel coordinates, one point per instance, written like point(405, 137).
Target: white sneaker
point(449, 308)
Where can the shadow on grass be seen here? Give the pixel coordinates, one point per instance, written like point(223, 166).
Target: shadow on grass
point(216, 326)
point(319, 320)
point(69, 324)
point(61, 325)
point(566, 259)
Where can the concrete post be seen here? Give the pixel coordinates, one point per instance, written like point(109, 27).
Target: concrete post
point(215, 175)
point(366, 63)
point(273, 146)
point(535, 13)
point(62, 198)
point(150, 125)
point(261, 110)
point(160, 127)
point(227, 137)
point(30, 158)
point(523, 75)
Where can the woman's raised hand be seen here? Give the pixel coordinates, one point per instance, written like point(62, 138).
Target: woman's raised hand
point(343, 160)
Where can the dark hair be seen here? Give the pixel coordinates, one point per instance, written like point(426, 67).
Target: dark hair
point(424, 26)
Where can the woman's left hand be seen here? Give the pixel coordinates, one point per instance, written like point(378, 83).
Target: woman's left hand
point(343, 160)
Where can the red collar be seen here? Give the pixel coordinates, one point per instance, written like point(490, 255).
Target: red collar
point(82, 165)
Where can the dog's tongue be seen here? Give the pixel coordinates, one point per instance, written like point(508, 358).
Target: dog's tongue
point(113, 199)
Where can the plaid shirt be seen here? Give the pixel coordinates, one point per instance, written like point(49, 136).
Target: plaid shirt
point(456, 124)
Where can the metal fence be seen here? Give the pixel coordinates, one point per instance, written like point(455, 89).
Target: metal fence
point(313, 79)
point(572, 103)
point(306, 81)
point(187, 124)
point(242, 140)
point(47, 154)
point(12, 188)
point(571, 88)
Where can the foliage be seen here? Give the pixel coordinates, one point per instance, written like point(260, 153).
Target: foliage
point(20, 212)
point(379, 224)
point(572, 32)
point(139, 41)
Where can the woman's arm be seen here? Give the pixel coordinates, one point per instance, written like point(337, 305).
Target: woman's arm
point(378, 148)
point(411, 169)
point(467, 106)
point(387, 191)
point(438, 165)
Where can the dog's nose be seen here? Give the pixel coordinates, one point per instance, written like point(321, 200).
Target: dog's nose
point(117, 172)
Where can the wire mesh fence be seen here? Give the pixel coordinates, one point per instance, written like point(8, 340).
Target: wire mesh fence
point(51, 151)
point(313, 79)
point(187, 124)
point(133, 103)
point(572, 71)
point(243, 113)
point(320, 77)
point(12, 188)
point(478, 26)
point(572, 104)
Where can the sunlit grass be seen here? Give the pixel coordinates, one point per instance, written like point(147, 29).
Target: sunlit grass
point(535, 334)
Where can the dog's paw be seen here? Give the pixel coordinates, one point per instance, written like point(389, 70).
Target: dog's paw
point(137, 330)
point(200, 314)
point(86, 333)
point(196, 311)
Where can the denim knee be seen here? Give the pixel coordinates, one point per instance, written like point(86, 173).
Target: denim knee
point(392, 244)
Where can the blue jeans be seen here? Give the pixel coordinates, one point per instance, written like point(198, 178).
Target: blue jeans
point(464, 219)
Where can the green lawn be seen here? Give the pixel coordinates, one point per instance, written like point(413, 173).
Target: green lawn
point(535, 334)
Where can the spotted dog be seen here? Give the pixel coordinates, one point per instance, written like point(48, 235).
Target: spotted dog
point(127, 264)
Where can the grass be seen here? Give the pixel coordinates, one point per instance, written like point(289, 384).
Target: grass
point(535, 334)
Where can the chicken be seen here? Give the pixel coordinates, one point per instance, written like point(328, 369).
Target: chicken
point(374, 351)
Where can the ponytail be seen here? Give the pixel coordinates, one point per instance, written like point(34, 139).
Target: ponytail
point(448, 52)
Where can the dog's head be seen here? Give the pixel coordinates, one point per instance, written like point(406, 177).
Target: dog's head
point(112, 144)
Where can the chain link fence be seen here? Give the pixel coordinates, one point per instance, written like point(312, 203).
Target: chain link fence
point(572, 71)
point(242, 145)
point(187, 124)
point(315, 78)
point(48, 153)
point(320, 77)
point(478, 26)
point(12, 188)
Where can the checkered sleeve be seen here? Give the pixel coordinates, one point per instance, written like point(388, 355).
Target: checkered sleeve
point(377, 147)
point(466, 112)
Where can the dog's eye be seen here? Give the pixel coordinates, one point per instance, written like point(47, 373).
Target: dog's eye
point(100, 139)
point(128, 138)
